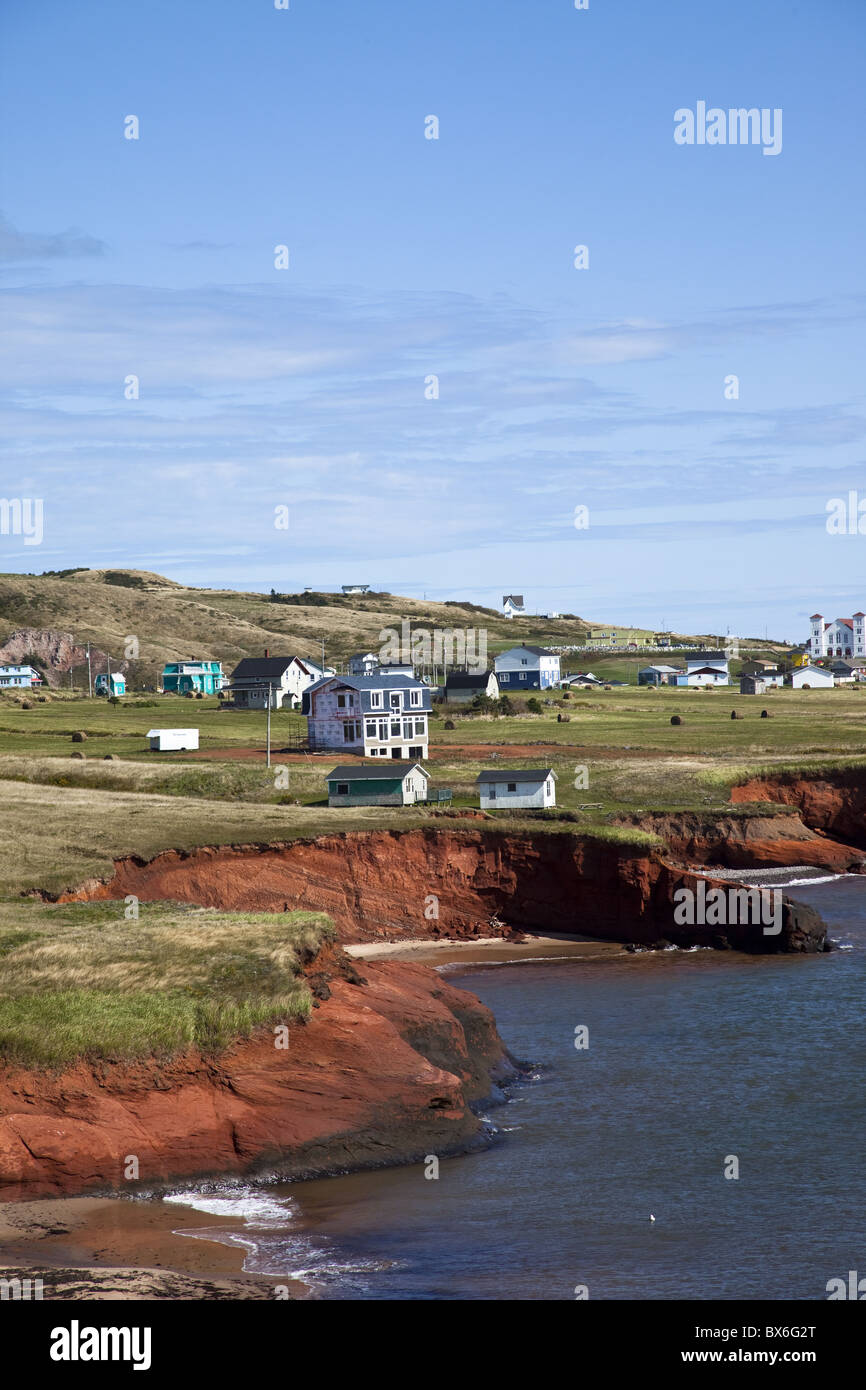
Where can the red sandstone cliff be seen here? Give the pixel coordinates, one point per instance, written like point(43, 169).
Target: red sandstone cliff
point(386, 884)
point(384, 1072)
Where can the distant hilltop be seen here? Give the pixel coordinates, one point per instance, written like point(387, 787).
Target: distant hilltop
point(49, 618)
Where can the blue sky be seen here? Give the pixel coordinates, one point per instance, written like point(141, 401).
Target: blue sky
point(411, 257)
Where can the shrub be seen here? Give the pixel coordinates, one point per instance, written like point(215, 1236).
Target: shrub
point(449, 724)
point(534, 706)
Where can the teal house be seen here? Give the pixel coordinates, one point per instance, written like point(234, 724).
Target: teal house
point(199, 677)
point(114, 684)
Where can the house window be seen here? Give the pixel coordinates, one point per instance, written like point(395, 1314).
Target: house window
point(342, 789)
point(415, 697)
point(407, 728)
point(371, 728)
point(549, 787)
point(523, 675)
point(395, 700)
point(491, 792)
point(383, 729)
point(375, 699)
point(351, 730)
point(383, 752)
point(512, 786)
point(524, 661)
point(420, 728)
point(395, 729)
point(341, 702)
point(415, 753)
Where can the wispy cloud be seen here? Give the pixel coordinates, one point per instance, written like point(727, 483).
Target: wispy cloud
point(17, 246)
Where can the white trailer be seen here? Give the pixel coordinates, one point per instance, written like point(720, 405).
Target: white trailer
point(172, 740)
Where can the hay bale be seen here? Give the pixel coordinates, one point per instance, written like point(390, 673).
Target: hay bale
point(79, 736)
point(765, 714)
point(734, 714)
point(449, 724)
point(563, 719)
point(109, 758)
point(76, 755)
point(26, 704)
point(676, 719)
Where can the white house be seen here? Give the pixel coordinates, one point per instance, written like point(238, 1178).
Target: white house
point(526, 668)
point(285, 678)
point(389, 784)
point(841, 637)
point(811, 678)
point(170, 740)
point(356, 588)
point(512, 604)
point(705, 670)
point(363, 663)
point(378, 716)
point(513, 789)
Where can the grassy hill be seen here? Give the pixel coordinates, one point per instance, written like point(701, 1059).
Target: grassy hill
point(171, 622)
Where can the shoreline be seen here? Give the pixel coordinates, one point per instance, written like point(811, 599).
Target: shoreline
point(128, 1247)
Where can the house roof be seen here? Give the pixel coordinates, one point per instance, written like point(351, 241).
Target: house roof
point(519, 774)
point(462, 681)
point(363, 656)
point(705, 671)
point(516, 599)
point(261, 667)
point(814, 616)
point(525, 647)
point(390, 771)
point(382, 680)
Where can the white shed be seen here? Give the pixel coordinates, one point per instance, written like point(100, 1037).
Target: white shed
point(172, 740)
point(515, 788)
point(815, 677)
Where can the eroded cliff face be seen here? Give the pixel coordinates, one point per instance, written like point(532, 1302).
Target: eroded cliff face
point(384, 1072)
point(430, 883)
point(834, 803)
point(748, 842)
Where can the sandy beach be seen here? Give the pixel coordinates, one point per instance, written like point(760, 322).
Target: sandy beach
point(492, 949)
point(107, 1247)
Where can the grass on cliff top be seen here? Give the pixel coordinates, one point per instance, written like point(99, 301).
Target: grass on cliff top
point(82, 980)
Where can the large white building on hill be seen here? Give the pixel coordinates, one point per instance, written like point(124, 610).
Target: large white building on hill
point(841, 637)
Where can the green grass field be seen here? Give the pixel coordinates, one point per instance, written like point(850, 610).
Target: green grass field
point(83, 980)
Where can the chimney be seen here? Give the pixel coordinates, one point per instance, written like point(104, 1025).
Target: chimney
point(267, 651)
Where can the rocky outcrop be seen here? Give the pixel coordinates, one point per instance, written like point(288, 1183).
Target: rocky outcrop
point(747, 842)
point(385, 1071)
point(833, 803)
point(55, 652)
point(469, 882)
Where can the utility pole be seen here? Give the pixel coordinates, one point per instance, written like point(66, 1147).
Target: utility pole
point(323, 652)
point(108, 668)
point(89, 674)
point(270, 688)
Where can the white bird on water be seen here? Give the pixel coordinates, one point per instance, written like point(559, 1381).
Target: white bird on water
point(652, 1218)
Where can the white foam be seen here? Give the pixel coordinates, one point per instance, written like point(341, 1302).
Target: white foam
point(252, 1209)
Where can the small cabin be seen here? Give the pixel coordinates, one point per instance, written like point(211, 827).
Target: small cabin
point(114, 684)
point(389, 784)
point(515, 789)
point(172, 740)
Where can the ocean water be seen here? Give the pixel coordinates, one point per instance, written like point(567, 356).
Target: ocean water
point(696, 1059)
